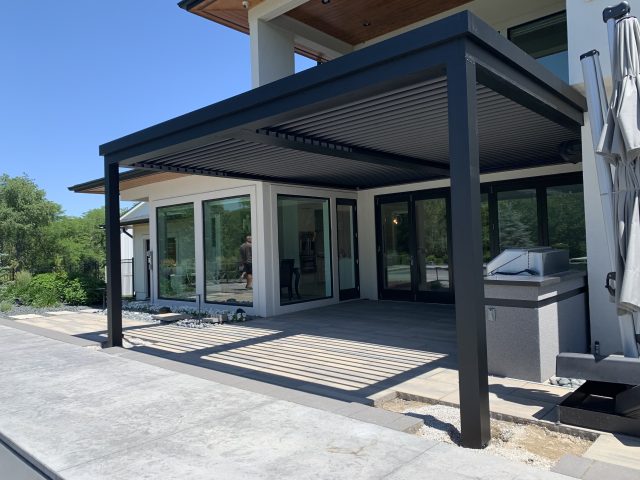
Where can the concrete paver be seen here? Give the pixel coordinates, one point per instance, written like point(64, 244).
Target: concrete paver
point(589, 469)
point(619, 449)
point(75, 323)
point(163, 424)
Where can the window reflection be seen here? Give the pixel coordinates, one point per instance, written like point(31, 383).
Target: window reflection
point(228, 251)
point(518, 218)
point(545, 39)
point(176, 253)
point(565, 210)
point(304, 247)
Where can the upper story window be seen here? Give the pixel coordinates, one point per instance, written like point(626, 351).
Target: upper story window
point(545, 39)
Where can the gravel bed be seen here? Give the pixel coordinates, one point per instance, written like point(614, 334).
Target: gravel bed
point(132, 310)
point(529, 444)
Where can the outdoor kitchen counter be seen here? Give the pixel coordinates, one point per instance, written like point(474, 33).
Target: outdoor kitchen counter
point(531, 319)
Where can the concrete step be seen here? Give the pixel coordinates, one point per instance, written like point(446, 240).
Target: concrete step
point(170, 317)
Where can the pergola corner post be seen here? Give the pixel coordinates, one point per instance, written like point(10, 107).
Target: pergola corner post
point(112, 229)
point(467, 250)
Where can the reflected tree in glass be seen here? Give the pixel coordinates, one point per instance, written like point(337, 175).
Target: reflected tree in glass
point(227, 224)
point(176, 252)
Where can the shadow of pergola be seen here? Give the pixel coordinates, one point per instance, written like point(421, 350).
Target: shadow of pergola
point(347, 351)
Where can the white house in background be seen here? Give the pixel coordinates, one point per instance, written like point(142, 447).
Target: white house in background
point(135, 243)
point(317, 245)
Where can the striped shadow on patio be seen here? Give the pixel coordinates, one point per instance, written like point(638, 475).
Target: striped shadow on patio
point(337, 363)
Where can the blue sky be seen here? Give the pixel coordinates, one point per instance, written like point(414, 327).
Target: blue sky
point(76, 74)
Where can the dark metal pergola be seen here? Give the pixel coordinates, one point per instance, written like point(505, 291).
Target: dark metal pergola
point(451, 99)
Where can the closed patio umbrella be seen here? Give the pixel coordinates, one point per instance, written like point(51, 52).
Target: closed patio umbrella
point(620, 144)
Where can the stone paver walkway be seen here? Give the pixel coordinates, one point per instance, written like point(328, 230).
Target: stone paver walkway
point(82, 324)
point(84, 414)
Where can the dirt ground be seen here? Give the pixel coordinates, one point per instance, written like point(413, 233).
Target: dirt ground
point(530, 444)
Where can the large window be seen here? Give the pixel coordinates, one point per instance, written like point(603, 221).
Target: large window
point(565, 209)
point(545, 39)
point(518, 218)
point(228, 251)
point(176, 253)
point(304, 247)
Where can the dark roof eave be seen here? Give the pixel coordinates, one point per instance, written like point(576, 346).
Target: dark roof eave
point(189, 4)
point(130, 223)
point(99, 182)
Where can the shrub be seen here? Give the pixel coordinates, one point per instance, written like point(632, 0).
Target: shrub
point(49, 289)
point(46, 290)
point(74, 293)
point(5, 306)
point(94, 290)
point(20, 286)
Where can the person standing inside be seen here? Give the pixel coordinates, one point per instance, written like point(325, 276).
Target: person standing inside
point(245, 259)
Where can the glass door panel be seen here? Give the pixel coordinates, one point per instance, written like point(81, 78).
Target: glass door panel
point(432, 245)
point(347, 249)
point(395, 246)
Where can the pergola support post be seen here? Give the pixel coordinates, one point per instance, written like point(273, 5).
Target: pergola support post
point(467, 252)
point(114, 278)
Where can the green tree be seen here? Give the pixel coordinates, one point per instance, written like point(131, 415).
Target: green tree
point(25, 216)
point(77, 244)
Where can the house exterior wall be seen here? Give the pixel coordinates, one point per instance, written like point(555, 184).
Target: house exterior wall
point(266, 292)
point(266, 235)
point(585, 32)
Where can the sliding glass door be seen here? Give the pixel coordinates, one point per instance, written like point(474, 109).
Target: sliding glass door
point(413, 231)
point(413, 247)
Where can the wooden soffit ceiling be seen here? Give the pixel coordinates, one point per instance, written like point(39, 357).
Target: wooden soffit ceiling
point(352, 21)
point(357, 21)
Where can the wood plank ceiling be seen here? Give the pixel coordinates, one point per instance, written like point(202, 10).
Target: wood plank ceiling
point(352, 21)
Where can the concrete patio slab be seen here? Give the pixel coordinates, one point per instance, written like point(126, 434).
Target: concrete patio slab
point(358, 351)
point(164, 424)
point(25, 316)
point(56, 313)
